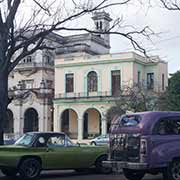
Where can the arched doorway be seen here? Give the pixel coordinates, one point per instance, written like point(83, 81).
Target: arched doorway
point(9, 123)
point(31, 120)
point(92, 123)
point(69, 123)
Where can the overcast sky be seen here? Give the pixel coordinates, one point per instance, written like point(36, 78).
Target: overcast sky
point(165, 23)
point(160, 20)
point(166, 44)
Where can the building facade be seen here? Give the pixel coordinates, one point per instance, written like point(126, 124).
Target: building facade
point(31, 84)
point(86, 87)
point(82, 77)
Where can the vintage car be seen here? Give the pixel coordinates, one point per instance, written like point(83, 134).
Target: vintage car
point(36, 151)
point(147, 142)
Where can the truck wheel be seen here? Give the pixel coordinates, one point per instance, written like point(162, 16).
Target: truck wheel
point(99, 166)
point(9, 171)
point(29, 168)
point(173, 171)
point(133, 174)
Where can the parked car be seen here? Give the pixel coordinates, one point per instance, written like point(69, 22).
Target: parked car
point(147, 142)
point(100, 140)
point(36, 151)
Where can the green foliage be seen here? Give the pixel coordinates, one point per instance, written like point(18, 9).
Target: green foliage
point(135, 99)
point(170, 100)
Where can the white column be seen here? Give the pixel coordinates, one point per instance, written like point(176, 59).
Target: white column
point(41, 117)
point(80, 129)
point(47, 117)
point(56, 122)
point(21, 119)
point(18, 119)
point(103, 126)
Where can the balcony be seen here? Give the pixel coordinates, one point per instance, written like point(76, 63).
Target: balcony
point(85, 96)
point(30, 65)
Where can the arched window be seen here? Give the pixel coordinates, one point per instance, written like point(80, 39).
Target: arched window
point(92, 81)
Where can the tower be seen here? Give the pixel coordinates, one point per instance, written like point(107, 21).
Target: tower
point(102, 23)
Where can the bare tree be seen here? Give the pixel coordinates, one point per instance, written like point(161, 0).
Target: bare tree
point(173, 5)
point(134, 98)
point(25, 24)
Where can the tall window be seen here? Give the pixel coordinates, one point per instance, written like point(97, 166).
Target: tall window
point(139, 77)
point(116, 82)
point(69, 82)
point(27, 59)
point(150, 80)
point(163, 82)
point(92, 81)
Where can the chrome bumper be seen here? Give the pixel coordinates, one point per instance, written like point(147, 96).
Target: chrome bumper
point(122, 164)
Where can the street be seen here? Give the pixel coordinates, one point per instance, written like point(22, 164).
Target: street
point(71, 175)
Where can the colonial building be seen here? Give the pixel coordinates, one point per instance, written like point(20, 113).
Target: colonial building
point(86, 86)
point(31, 85)
point(87, 79)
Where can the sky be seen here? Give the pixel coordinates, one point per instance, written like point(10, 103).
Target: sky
point(165, 24)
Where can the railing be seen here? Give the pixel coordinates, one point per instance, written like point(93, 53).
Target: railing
point(34, 64)
point(83, 95)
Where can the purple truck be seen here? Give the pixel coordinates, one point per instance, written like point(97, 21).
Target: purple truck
point(146, 142)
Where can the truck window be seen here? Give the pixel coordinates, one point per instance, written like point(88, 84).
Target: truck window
point(125, 121)
point(130, 120)
point(168, 125)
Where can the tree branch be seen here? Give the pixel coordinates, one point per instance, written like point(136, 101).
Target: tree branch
point(170, 5)
point(12, 12)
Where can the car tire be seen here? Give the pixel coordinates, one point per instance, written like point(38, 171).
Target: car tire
point(99, 167)
point(9, 172)
point(29, 169)
point(93, 143)
point(173, 171)
point(133, 174)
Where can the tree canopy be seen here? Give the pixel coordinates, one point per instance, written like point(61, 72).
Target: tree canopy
point(170, 100)
point(134, 98)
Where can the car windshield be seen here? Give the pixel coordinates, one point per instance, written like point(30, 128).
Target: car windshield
point(25, 140)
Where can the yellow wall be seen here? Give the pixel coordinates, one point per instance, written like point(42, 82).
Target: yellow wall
point(73, 122)
point(93, 121)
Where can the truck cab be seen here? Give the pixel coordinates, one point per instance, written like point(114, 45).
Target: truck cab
point(146, 142)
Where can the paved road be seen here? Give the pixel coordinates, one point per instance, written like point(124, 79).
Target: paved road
point(71, 175)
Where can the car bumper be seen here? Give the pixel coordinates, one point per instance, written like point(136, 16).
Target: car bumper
point(122, 164)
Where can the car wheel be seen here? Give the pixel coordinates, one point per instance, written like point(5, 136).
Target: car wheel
point(9, 171)
point(29, 168)
point(99, 166)
point(133, 174)
point(173, 171)
point(93, 143)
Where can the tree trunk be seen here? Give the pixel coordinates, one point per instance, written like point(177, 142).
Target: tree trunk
point(3, 103)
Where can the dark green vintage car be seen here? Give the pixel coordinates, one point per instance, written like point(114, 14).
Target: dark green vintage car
point(36, 151)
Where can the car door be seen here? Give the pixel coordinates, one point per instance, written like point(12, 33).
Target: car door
point(79, 156)
point(56, 152)
point(63, 155)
